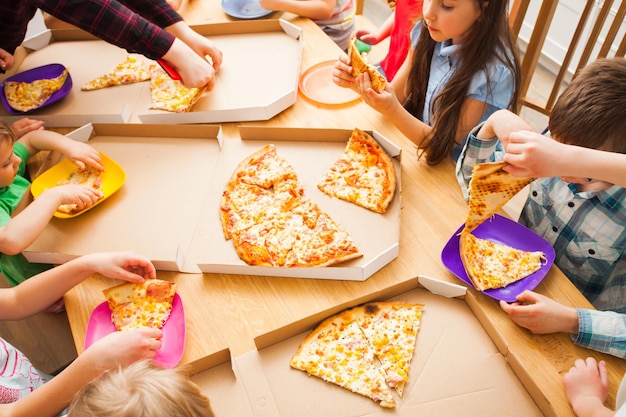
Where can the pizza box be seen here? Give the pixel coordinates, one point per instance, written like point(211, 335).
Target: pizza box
point(168, 209)
point(442, 382)
point(168, 170)
point(310, 152)
point(272, 49)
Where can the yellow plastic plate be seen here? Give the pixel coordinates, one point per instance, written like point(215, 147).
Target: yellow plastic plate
point(113, 178)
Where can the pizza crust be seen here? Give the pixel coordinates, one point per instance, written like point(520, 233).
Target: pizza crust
point(360, 65)
point(171, 95)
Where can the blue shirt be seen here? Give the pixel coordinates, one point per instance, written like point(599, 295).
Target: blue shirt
point(604, 331)
point(496, 93)
point(586, 229)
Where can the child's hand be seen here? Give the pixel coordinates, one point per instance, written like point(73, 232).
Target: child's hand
point(342, 74)
point(384, 102)
point(367, 36)
point(6, 61)
point(81, 195)
point(532, 155)
point(587, 385)
point(123, 348)
point(126, 266)
point(84, 155)
point(540, 314)
point(25, 125)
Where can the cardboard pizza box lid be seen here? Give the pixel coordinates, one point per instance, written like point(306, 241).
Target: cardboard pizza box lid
point(441, 382)
point(258, 78)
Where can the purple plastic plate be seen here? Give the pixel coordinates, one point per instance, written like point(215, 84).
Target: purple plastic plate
point(244, 9)
point(172, 343)
point(500, 229)
point(39, 73)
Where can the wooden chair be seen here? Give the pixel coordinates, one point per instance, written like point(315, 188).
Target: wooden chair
point(602, 41)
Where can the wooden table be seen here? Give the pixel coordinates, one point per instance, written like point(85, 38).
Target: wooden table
point(226, 312)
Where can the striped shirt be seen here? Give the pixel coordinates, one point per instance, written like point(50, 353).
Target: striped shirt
point(135, 25)
point(586, 229)
point(604, 331)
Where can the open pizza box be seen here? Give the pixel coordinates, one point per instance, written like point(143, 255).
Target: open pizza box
point(168, 208)
point(311, 152)
point(441, 383)
point(258, 78)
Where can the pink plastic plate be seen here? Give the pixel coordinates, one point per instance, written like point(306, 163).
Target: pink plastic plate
point(39, 73)
point(500, 229)
point(173, 341)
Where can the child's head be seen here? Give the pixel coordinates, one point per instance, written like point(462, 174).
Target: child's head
point(9, 162)
point(7, 136)
point(480, 29)
point(591, 111)
point(141, 389)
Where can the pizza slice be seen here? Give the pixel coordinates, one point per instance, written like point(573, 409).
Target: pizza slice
point(338, 352)
point(360, 64)
point(148, 304)
point(89, 177)
point(391, 328)
point(25, 96)
point(491, 187)
point(171, 95)
point(363, 175)
point(131, 70)
point(491, 265)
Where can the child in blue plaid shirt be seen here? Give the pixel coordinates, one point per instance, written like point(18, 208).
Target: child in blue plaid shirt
point(583, 218)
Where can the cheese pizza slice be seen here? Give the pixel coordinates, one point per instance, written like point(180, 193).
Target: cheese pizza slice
point(89, 177)
point(491, 265)
point(391, 327)
point(148, 304)
point(337, 351)
point(364, 174)
point(171, 95)
point(491, 187)
point(360, 64)
point(131, 70)
point(25, 96)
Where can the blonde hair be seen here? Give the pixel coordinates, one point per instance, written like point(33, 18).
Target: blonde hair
point(141, 390)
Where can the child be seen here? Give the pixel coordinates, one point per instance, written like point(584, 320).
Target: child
point(334, 17)
point(21, 219)
point(462, 67)
point(26, 392)
point(141, 389)
point(398, 28)
point(583, 218)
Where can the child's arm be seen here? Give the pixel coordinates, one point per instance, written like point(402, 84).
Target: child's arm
point(115, 349)
point(314, 9)
point(80, 153)
point(26, 225)
point(534, 155)
point(38, 292)
point(374, 37)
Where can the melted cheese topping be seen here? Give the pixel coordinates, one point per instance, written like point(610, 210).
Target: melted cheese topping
point(128, 71)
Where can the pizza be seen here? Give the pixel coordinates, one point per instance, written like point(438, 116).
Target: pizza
point(131, 70)
point(491, 265)
point(133, 305)
point(367, 349)
point(491, 187)
point(24, 96)
point(363, 175)
point(89, 177)
point(264, 212)
point(360, 64)
point(171, 95)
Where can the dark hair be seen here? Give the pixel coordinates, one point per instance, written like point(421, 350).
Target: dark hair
point(591, 111)
point(488, 39)
point(6, 133)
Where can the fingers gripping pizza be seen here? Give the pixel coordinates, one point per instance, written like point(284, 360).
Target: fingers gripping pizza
point(270, 223)
point(363, 175)
point(360, 65)
point(89, 177)
point(148, 304)
point(367, 349)
point(131, 70)
point(25, 96)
